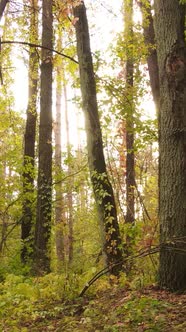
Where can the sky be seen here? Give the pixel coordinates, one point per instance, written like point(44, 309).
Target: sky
point(101, 41)
point(107, 17)
point(105, 21)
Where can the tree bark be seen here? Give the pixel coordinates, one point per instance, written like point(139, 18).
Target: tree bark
point(152, 60)
point(29, 141)
point(130, 170)
point(59, 208)
point(171, 49)
point(44, 198)
point(3, 4)
point(70, 179)
point(101, 185)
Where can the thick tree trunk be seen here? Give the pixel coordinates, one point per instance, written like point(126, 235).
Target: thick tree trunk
point(171, 48)
point(44, 199)
point(29, 140)
point(101, 185)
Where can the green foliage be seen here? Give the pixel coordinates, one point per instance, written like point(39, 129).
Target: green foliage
point(51, 302)
point(129, 312)
point(11, 130)
point(21, 296)
point(137, 311)
point(24, 299)
point(100, 180)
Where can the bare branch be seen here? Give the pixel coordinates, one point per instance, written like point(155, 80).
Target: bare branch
point(70, 175)
point(150, 250)
point(38, 46)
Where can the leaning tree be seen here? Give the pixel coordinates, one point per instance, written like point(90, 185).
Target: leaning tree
point(102, 188)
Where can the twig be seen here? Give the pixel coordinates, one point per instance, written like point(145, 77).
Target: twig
point(142, 253)
point(38, 46)
point(107, 269)
point(142, 202)
point(70, 175)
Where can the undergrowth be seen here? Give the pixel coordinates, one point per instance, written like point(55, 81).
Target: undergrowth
point(51, 303)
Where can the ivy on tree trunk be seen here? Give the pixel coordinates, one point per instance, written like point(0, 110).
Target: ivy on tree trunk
point(44, 195)
point(101, 185)
point(29, 141)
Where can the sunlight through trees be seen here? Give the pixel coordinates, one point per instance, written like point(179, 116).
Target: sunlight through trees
point(92, 140)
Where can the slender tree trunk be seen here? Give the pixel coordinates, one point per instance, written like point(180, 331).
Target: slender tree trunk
point(152, 60)
point(101, 185)
point(171, 49)
point(130, 172)
point(70, 179)
point(44, 199)
point(4, 225)
point(3, 4)
point(59, 209)
point(29, 140)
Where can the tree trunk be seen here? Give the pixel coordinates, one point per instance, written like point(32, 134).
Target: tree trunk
point(29, 140)
point(3, 4)
point(44, 198)
point(59, 209)
point(70, 179)
point(101, 185)
point(3, 224)
point(152, 60)
point(130, 172)
point(171, 48)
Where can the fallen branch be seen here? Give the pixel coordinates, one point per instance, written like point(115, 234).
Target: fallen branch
point(169, 246)
point(108, 269)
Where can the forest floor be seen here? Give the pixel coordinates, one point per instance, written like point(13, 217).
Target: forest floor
point(112, 310)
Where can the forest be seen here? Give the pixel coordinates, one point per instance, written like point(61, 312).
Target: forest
point(93, 165)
